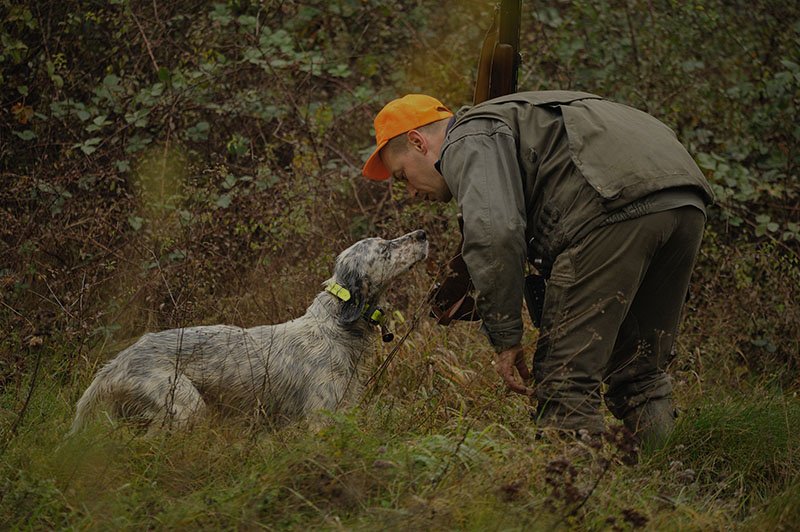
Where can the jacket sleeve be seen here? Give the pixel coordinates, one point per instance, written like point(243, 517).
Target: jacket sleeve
point(479, 164)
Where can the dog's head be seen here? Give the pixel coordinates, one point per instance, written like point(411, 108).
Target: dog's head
point(367, 268)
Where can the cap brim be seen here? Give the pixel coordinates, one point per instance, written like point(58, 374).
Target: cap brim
point(373, 168)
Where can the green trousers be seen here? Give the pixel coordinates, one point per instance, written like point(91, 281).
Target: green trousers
point(611, 312)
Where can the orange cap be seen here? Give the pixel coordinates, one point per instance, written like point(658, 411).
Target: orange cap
point(397, 117)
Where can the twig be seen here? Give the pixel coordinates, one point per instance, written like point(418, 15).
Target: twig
point(585, 498)
point(146, 41)
point(632, 32)
point(452, 456)
point(15, 426)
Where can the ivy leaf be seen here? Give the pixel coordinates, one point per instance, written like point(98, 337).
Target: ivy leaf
point(164, 74)
point(230, 181)
point(135, 222)
point(88, 146)
point(137, 143)
point(111, 82)
point(198, 132)
point(224, 201)
point(25, 135)
point(339, 71)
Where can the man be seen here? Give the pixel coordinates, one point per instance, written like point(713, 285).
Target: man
point(609, 205)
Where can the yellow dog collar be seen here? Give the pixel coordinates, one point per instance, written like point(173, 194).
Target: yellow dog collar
point(375, 316)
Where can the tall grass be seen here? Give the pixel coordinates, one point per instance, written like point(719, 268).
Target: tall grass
point(420, 454)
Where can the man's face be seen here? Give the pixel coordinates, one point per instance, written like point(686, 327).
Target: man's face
point(415, 166)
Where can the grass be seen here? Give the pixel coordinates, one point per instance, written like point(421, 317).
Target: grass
point(448, 451)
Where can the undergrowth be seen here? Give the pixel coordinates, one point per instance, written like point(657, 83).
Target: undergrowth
point(730, 460)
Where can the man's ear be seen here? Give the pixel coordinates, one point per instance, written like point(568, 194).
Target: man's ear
point(417, 141)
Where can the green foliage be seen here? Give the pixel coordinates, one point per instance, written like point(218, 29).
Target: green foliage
point(185, 143)
point(724, 75)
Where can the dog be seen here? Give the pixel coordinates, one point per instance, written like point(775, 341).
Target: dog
point(283, 372)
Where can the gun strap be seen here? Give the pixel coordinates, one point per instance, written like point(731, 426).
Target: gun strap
point(497, 76)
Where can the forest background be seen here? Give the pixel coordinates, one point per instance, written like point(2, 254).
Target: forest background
point(177, 163)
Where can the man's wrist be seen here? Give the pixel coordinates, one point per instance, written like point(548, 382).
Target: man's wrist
point(504, 337)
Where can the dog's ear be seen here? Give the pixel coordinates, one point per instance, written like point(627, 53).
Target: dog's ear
point(356, 284)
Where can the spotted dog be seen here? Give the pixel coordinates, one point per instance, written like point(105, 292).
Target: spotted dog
point(287, 371)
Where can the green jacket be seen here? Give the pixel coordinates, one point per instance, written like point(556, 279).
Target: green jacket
point(545, 168)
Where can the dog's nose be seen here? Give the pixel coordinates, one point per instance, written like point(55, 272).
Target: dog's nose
point(419, 234)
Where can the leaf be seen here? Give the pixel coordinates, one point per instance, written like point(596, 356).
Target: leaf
point(198, 132)
point(247, 22)
point(23, 113)
point(238, 145)
point(221, 14)
point(138, 118)
point(111, 81)
point(97, 124)
point(25, 135)
point(137, 143)
point(224, 201)
point(230, 181)
point(185, 217)
point(791, 65)
point(177, 255)
point(89, 146)
point(339, 71)
point(164, 74)
point(135, 222)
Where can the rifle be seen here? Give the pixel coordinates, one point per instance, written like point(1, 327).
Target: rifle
point(498, 69)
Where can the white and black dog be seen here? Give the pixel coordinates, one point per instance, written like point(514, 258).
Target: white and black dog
point(282, 372)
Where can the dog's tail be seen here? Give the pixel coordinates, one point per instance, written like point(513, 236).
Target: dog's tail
point(96, 393)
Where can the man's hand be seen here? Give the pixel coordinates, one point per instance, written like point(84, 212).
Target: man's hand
point(509, 362)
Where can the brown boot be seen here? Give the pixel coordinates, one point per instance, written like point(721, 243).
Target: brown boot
point(652, 422)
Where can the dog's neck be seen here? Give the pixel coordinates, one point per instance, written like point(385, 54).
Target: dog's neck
point(372, 317)
point(372, 312)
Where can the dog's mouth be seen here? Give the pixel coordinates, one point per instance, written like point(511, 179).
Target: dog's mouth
point(420, 252)
point(412, 248)
point(420, 242)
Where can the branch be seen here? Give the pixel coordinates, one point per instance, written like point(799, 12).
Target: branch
point(146, 41)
